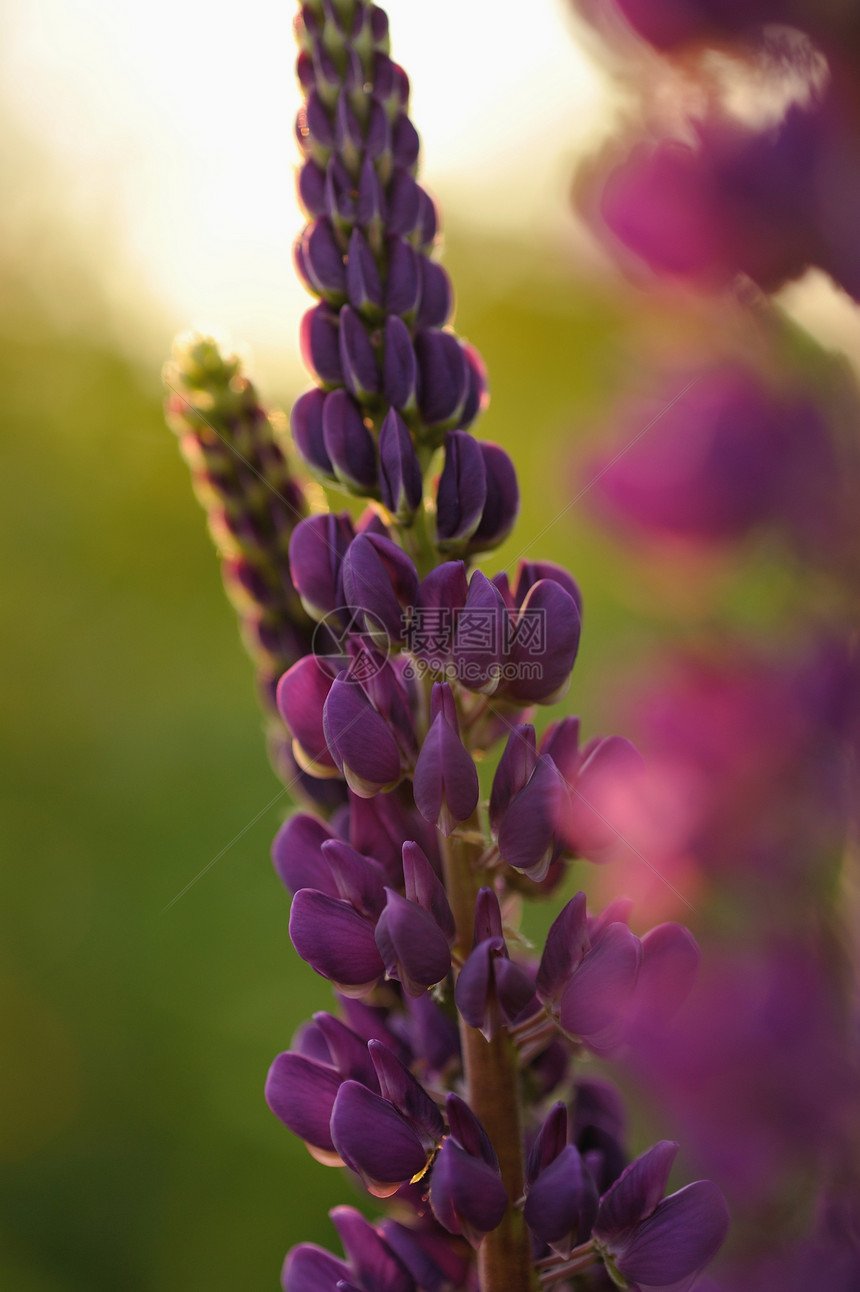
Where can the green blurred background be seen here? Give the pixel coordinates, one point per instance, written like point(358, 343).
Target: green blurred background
point(146, 975)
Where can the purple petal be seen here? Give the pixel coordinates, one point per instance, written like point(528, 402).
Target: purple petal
point(301, 1093)
point(373, 1138)
point(359, 739)
point(684, 1233)
point(335, 941)
point(563, 1199)
point(358, 362)
point(597, 998)
point(400, 1088)
point(515, 767)
point(636, 1192)
point(466, 1194)
point(502, 502)
point(347, 1050)
point(348, 443)
point(670, 962)
point(307, 430)
point(301, 696)
point(462, 490)
point(544, 645)
point(467, 1130)
point(488, 917)
point(297, 855)
point(362, 279)
point(310, 1269)
point(317, 548)
point(374, 1263)
point(425, 888)
point(527, 831)
point(566, 944)
point(446, 779)
point(400, 478)
point(444, 377)
point(414, 949)
point(399, 366)
point(319, 344)
point(481, 636)
point(358, 880)
point(473, 993)
point(551, 1139)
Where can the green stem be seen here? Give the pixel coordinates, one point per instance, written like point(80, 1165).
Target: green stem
point(492, 1090)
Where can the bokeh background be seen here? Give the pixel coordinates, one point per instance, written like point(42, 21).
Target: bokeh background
point(146, 975)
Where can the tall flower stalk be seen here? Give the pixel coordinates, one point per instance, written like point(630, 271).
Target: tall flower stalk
point(446, 1080)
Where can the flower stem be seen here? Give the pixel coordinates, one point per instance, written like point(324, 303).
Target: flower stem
point(493, 1094)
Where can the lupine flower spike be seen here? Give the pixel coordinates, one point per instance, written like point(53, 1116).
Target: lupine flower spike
point(432, 1080)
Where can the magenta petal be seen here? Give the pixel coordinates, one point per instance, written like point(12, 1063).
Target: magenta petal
point(309, 1268)
point(335, 941)
point(414, 949)
point(636, 1192)
point(678, 1239)
point(301, 1093)
point(596, 1001)
point(466, 1193)
point(373, 1138)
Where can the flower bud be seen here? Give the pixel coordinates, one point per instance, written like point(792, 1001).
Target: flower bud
point(358, 362)
point(462, 491)
point(306, 425)
point(414, 949)
point(403, 286)
point(362, 281)
point(400, 480)
point(399, 366)
point(444, 378)
point(319, 342)
point(348, 443)
point(502, 501)
point(437, 297)
point(317, 549)
point(322, 260)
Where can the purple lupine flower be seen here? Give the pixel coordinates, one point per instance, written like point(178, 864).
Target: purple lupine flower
point(413, 947)
point(462, 491)
point(446, 779)
point(657, 1243)
point(360, 741)
point(336, 940)
point(380, 579)
point(480, 644)
point(492, 991)
point(302, 695)
point(466, 1191)
point(588, 982)
point(317, 549)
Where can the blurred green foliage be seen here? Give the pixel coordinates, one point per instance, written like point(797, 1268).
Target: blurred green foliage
point(136, 1149)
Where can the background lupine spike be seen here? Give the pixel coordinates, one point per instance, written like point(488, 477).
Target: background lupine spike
point(243, 478)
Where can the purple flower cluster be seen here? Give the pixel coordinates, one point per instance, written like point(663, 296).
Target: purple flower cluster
point(446, 1079)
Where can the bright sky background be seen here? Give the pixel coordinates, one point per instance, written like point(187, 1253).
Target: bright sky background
point(171, 124)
